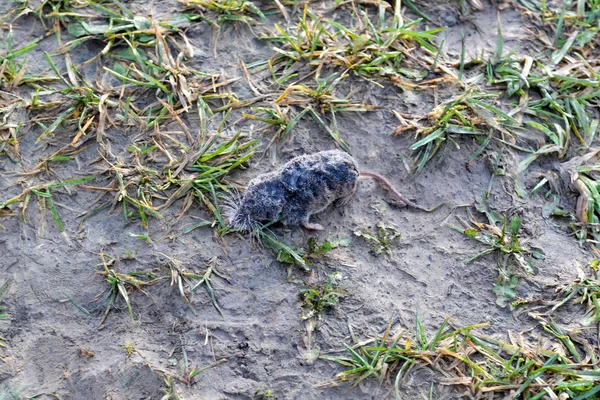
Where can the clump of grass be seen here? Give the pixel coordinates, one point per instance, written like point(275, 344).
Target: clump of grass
point(381, 240)
point(14, 73)
point(321, 98)
point(192, 373)
point(206, 280)
point(514, 255)
point(208, 166)
point(3, 291)
point(572, 24)
point(86, 105)
point(170, 390)
point(129, 347)
point(264, 394)
point(134, 190)
point(585, 291)
point(9, 133)
point(277, 117)
point(189, 372)
point(120, 285)
point(111, 22)
point(43, 193)
point(584, 173)
point(228, 10)
point(141, 72)
point(317, 100)
point(166, 74)
point(180, 279)
point(187, 282)
point(302, 257)
point(470, 114)
point(376, 50)
point(57, 9)
point(283, 252)
point(198, 175)
point(316, 249)
point(314, 300)
point(482, 365)
point(371, 50)
point(126, 35)
point(552, 97)
point(567, 98)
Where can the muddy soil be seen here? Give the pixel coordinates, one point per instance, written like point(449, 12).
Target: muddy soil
point(260, 336)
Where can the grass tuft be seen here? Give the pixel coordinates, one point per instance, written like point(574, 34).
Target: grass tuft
point(514, 256)
point(381, 240)
point(120, 285)
point(314, 300)
point(482, 365)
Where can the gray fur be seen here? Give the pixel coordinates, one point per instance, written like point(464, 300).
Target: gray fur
point(304, 186)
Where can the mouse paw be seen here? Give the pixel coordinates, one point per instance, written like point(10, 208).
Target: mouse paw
point(313, 226)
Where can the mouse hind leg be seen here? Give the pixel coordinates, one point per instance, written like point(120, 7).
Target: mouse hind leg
point(295, 217)
point(312, 226)
point(342, 201)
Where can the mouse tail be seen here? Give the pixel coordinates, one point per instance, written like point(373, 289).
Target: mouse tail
point(385, 183)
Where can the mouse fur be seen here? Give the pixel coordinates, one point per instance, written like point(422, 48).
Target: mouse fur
point(305, 185)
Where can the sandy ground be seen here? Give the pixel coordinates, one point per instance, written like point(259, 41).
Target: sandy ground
point(260, 333)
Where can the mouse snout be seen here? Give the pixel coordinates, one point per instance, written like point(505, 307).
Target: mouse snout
point(240, 220)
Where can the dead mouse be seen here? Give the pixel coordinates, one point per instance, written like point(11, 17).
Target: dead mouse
point(304, 186)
